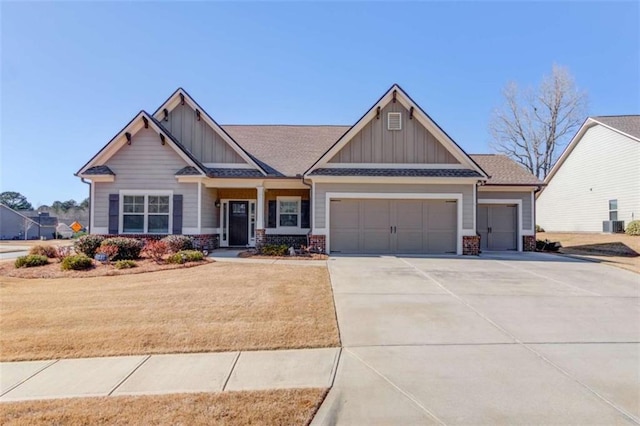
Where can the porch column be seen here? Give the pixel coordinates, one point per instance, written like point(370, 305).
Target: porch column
point(260, 232)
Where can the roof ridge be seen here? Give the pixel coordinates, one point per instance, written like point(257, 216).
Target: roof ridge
point(289, 125)
point(610, 116)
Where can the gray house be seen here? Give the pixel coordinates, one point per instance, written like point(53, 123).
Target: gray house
point(15, 225)
point(394, 182)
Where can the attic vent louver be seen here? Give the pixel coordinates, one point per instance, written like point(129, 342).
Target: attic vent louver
point(394, 121)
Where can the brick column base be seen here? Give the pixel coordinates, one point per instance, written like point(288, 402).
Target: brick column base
point(471, 245)
point(318, 242)
point(529, 243)
point(261, 238)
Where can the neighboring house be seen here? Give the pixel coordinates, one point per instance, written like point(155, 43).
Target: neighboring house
point(14, 225)
point(394, 182)
point(596, 179)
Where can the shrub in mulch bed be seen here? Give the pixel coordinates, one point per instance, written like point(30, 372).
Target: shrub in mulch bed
point(633, 228)
point(156, 250)
point(185, 256)
point(547, 245)
point(125, 264)
point(76, 262)
point(128, 248)
point(31, 261)
point(88, 244)
point(48, 251)
point(176, 243)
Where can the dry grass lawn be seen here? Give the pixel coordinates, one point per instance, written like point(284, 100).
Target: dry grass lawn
point(275, 407)
point(619, 250)
point(215, 307)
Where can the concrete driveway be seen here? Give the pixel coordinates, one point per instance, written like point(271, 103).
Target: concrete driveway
point(500, 339)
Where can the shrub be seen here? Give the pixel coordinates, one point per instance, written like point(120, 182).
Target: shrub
point(31, 261)
point(108, 250)
point(128, 248)
point(125, 264)
point(184, 256)
point(88, 244)
point(48, 251)
point(76, 262)
point(77, 235)
point(176, 243)
point(156, 250)
point(274, 249)
point(63, 252)
point(539, 228)
point(633, 228)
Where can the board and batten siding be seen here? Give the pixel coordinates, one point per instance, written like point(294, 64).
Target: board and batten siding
point(376, 144)
point(199, 138)
point(146, 164)
point(603, 166)
point(525, 196)
point(321, 189)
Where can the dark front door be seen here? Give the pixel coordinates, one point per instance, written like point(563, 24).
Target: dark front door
point(238, 223)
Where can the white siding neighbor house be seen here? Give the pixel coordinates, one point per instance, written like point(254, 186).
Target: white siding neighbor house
point(596, 179)
point(393, 182)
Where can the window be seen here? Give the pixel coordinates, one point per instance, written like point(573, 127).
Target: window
point(613, 209)
point(289, 212)
point(142, 214)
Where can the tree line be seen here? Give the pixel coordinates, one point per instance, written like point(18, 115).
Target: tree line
point(17, 201)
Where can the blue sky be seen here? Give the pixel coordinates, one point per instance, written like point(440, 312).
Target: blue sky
point(73, 74)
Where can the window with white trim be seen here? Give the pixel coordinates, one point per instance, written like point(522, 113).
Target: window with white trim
point(288, 212)
point(613, 209)
point(142, 214)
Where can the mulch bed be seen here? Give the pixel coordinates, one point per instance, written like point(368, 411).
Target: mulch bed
point(52, 270)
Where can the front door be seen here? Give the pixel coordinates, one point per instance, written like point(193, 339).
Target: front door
point(497, 226)
point(238, 223)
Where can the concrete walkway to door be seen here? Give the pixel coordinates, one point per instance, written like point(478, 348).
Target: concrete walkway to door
point(501, 339)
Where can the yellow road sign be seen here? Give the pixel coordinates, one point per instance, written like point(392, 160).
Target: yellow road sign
point(76, 226)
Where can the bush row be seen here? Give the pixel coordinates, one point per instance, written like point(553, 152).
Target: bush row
point(129, 248)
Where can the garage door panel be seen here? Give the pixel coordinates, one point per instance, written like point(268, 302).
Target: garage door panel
point(442, 215)
point(410, 242)
point(440, 242)
point(376, 241)
point(376, 214)
point(346, 241)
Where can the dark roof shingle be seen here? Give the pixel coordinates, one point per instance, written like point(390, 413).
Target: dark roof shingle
point(629, 124)
point(99, 170)
point(504, 171)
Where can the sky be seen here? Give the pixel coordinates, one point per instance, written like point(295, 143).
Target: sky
point(73, 74)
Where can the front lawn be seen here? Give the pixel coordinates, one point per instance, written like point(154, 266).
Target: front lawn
point(273, 407)
point(214, 307)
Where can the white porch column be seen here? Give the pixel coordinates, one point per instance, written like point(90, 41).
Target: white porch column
point(260, 208)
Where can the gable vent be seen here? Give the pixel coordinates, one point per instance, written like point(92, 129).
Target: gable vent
point(394, 121)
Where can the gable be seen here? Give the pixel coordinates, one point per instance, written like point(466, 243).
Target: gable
point(413, 144)
point(145, 159)
point(199, 137)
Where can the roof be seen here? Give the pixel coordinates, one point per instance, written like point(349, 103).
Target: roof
point(99, 170)
point(504, 171)
point(19, 214)
point(397, 172)
point(290, 150)
point(220, 172)
point(629, 124)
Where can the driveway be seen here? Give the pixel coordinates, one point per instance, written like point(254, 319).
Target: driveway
point(501, 339)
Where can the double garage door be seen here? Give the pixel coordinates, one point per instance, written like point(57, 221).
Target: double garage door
point(393, 226)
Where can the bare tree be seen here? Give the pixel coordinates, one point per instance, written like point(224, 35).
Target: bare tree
point(533, 126)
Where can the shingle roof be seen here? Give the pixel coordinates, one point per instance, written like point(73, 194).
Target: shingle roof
point(629, 124)
point(234, 173)
point(99, 170)
point(188, 171)
point(504, 171)
point(289, 150)
point(397, 172)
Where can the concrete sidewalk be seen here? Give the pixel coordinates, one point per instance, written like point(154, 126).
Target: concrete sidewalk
point(164, 374)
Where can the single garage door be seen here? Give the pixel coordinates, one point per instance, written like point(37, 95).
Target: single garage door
point(393, 226)
point(497, 226)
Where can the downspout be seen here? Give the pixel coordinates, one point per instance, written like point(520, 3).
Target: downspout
point(310, 209)
point(90, 203)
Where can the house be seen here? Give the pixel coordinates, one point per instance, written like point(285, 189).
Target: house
point(394, 182)
point(596, 179)
point(16, 225)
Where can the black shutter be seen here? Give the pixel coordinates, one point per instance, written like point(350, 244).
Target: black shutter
point(271, 223)
point(177, 214)
point(304, 213)
point(114, 213)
